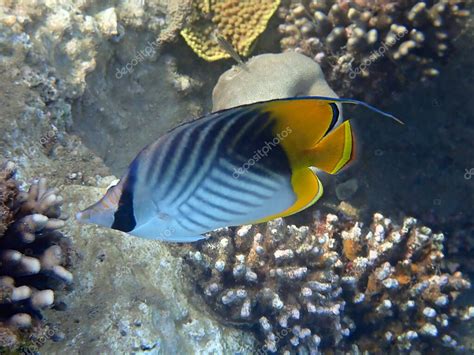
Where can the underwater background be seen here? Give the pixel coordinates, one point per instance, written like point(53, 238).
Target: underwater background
point(382, 263)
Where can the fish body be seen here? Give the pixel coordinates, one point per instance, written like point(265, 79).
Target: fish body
point(242, 165)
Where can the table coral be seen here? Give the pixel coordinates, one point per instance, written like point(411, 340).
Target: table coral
point(369, 48)
point(333, 285)
point(240, 22)
point(34, 257)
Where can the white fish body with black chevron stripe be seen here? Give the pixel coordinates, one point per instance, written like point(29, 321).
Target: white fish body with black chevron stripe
point(243, 165)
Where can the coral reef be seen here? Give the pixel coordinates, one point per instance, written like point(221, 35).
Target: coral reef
point(310, 288)
point(92, 70)
point(267, 77)
point(240, 22)
point(98, 64)
point(37, 100)
point(71, 35)
point(177, 14)
point(34, 257)
point(393, 277)
point(368, 47)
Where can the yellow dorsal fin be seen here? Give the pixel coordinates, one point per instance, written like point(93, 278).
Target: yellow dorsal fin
point(334, 151)
point(307, 188)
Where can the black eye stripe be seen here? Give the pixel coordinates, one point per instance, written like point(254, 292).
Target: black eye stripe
point(124, 219)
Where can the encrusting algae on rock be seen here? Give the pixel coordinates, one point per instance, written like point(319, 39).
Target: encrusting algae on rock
point(239, 22)
point(312, 288)
point(34, 262)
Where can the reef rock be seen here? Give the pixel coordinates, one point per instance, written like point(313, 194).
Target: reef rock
point(267, 77)
point(97, 71)
point(131, 295)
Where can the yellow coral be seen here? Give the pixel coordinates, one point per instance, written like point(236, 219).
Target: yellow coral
point(240, 22)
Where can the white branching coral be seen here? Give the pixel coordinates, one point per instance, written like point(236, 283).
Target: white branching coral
point(365, 46)
point(333, 284)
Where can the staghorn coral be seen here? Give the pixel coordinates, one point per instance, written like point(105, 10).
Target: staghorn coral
point(240, 22)
point(365, 46)
point(332, 285)
point(33, 260)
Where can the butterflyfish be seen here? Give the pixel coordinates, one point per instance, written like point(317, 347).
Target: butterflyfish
point(243, 165)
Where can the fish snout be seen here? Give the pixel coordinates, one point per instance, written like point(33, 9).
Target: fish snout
point(83, 216)
point(96, 214)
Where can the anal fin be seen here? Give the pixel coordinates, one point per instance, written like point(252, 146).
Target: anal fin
point(307, 188)
point(174, 239)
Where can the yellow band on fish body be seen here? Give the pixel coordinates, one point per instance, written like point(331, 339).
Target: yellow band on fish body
point(300, 124)
point(305, 120)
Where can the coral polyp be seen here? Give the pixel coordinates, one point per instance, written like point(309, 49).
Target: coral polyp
point(311, 288)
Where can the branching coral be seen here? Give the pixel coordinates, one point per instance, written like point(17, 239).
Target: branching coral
point(34, 257)
point(331, 285)
point(367, 46)
point(240, 22)
point(396, 288)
